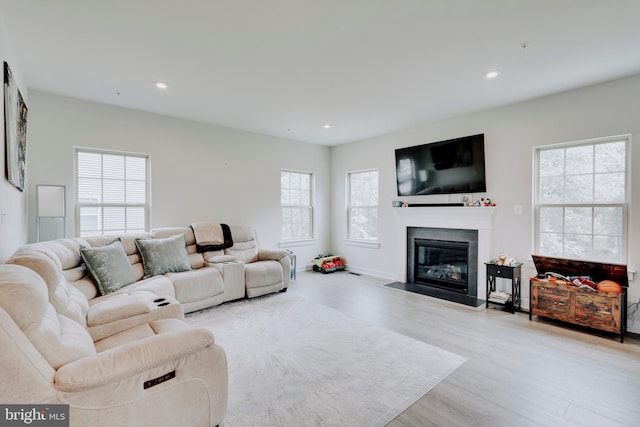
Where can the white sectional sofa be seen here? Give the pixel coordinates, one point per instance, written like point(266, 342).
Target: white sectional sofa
point(89, 321)
point(213, 278)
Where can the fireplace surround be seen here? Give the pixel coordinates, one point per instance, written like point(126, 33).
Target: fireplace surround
point(447, 257)
point(440, 263)
point(473, 224)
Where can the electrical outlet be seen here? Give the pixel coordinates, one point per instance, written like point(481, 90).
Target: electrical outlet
point(517, 209)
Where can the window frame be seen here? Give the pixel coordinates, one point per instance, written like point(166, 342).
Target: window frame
point(624, 205)
point(79, 205)
point(310, 207)
point(348, 207)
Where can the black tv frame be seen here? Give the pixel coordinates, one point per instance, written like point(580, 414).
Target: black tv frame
point(467, 159)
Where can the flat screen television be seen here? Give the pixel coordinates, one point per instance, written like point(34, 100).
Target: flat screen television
point(444, 167)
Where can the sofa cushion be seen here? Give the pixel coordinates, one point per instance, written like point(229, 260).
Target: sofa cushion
point(60, 339)
point(263, 273)
point(86, 286)
point(140, 332)
point(23, 295)
point(41, 264)
point(161, 256)
point(109, 266)
point(121, 338)
point(197, 285)
point(128, 241)
point(66, 251)
point(159, 285)
point(120, 306)
point(245, 246)
point(214, 258)
point(66, 299)
point(195, 258)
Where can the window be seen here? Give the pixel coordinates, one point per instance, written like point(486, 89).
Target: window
point(112, 192)
point(296, 201)
point(362, 205)
point(581, 200)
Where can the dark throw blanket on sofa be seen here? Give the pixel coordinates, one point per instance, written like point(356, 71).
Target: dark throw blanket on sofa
point(204, 243)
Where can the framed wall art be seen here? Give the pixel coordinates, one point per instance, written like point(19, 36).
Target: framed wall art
point(15, 130)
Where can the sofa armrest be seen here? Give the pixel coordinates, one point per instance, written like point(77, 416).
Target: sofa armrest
point(114, 307)
point(232, 270)
point(283, 258)
point(271, 255)
point(131, 359)
point(220, 259)
point(233, 277)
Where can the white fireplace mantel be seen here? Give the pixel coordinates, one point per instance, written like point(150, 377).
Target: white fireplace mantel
point(470, 218)
point(459, 217)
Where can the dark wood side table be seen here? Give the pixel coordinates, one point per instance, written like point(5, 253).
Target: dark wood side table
point(506, 272)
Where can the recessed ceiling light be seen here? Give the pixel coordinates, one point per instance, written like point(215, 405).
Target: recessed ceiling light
point(327, 126)
point(161, 85)
point(492, 74)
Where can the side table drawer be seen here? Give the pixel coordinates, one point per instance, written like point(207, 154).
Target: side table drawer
point(500, 271)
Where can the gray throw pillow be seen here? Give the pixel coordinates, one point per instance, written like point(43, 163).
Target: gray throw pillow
point(160, 256)
point(109, 266)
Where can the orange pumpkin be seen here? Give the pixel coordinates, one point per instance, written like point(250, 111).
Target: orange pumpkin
point(609, 286)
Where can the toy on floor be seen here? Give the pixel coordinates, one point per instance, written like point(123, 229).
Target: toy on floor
point(328, 264)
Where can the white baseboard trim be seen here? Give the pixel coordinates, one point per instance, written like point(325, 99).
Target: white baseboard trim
point(371, 272)
point(360, 270)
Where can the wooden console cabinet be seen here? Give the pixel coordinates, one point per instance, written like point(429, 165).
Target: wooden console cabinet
point(604, 311)
point(558, 300)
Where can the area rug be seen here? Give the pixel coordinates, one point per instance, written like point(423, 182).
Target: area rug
point(293, 362)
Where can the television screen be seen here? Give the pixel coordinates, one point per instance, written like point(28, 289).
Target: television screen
point(445, 167)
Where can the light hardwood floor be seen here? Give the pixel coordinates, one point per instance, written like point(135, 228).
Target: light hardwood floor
point(517, 373)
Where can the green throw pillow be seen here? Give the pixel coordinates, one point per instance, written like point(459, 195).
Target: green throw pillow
point(160, 256)
point(109, 266)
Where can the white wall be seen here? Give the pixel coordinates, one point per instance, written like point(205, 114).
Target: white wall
point(13, 203)
point(198, 171)
point(510, 134)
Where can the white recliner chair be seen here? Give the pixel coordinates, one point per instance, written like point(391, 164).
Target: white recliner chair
point(266, 271)
point(158, 373)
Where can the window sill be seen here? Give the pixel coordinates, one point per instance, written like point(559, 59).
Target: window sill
point(292, 243)
point(362, 243)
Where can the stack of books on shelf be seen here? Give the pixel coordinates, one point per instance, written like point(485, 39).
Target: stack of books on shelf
point(499, 297)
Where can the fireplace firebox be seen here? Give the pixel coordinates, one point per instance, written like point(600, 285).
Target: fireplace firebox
point(442, 263)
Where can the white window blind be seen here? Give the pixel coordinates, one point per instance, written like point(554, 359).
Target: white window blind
point(581, 200)
point(112, 192)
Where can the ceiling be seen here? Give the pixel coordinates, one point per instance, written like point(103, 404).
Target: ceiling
point(288, 67)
